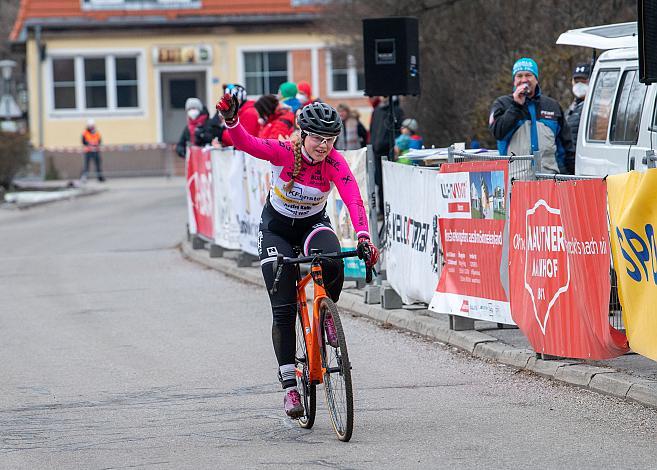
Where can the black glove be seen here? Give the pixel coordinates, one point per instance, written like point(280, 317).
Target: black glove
point(227, 107)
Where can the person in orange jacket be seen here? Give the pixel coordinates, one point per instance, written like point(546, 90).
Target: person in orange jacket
point(91, 140)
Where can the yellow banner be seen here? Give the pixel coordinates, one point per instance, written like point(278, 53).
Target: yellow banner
point(633, 213)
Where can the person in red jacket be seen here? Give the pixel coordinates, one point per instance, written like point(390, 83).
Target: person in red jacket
point(247, 113)
point(278, 119)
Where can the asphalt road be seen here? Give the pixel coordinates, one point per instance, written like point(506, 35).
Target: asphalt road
point(115, 352)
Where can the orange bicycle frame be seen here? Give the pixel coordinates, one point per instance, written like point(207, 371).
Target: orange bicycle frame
point(311, 329)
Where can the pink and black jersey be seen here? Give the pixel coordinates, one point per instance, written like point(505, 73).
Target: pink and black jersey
point(311, 186)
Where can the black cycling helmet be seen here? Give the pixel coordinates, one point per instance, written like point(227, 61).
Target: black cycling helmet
point(320, 118)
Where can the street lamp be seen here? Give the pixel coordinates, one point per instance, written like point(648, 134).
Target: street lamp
point(8, 108)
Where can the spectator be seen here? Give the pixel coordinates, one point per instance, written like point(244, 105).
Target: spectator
point(408, 139)
point(304, 94)
point(198, 130)
point(278, 120)
point(287, 93)
point(92, 140)
point(247, 114)
point(353, 134)
point(474, 143)
point(581, 76)
point(527, 121)
point(381, 135)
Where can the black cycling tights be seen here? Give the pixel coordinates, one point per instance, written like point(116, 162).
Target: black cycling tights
point(279, 234)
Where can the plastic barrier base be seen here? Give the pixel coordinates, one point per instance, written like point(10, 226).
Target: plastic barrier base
point(216, 251)
point(389, 298)
point(457, 323)
point(245, 260)
point(372, 295)
point(197, 242)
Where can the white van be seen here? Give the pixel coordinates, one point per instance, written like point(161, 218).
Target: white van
point(619, 125)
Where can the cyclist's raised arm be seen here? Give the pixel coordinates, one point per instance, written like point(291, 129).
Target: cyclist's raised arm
point(345, 182)
point(271, 150)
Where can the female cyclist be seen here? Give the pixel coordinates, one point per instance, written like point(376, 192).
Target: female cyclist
point(304, 169)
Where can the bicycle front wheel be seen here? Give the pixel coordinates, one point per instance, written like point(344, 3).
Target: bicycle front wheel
point(306, 389)
point(337, 376)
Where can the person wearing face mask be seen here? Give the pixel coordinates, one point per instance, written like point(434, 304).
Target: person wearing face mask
point(305, 169)
point(581, 76)
point(305, 94)
point(527, 121)
point(197, 130)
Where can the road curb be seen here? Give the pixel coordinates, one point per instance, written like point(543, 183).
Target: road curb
point(599, 379)
point(30, 205)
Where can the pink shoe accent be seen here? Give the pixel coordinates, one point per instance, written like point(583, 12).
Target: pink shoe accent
point(292, 404)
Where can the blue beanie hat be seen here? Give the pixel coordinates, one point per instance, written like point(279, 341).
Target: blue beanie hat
point(525, 65)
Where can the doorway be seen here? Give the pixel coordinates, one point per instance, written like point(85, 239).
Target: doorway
point(176, 88)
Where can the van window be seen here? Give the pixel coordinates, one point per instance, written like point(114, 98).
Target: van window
point(627, 114)
point(601, 101)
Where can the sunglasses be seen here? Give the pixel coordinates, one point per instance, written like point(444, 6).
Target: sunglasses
point(317, 139)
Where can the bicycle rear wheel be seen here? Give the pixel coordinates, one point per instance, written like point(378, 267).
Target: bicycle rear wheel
point(306, 389)
point(337, 378)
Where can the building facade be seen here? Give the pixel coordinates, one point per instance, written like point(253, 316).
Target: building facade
point(131, 64)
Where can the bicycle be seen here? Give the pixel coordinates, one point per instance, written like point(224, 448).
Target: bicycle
point(316, 361)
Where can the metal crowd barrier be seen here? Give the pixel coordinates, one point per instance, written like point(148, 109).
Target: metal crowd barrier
point(615, 311)
point(523, 168)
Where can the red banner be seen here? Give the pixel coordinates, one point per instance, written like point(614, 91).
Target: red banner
point(559, 269)
point(199, 189)
point(472, 222)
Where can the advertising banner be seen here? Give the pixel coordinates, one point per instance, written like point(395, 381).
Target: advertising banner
point(339, 214)
point(191, 181)
point(633, 214)
point(411, 230)
point(227, 173)
point(256, 182)
point(472, 209)
point(199, 187)
point(559, 269)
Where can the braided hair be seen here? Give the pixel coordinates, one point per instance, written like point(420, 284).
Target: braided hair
point(297, 164)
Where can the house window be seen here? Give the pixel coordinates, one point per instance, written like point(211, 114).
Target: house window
point(109, 83)
point(126, 82)
point(345, 78)
point(63, 78)
point(95, 83)
point(265, 71)
point(139, 4)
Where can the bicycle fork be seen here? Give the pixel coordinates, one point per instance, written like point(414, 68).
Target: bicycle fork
point(311, 327)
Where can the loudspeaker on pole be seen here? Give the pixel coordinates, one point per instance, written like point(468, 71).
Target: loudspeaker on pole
point(392, 56)
point(647, 41)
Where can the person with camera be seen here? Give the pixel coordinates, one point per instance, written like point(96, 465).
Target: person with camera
point(526, 121)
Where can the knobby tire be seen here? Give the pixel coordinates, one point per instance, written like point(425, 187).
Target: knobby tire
point(306, 389)
point(337, 379)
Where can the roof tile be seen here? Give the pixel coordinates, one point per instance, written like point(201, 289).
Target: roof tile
point(31, 9)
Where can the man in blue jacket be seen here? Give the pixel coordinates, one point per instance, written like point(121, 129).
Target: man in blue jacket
point(526, 121)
